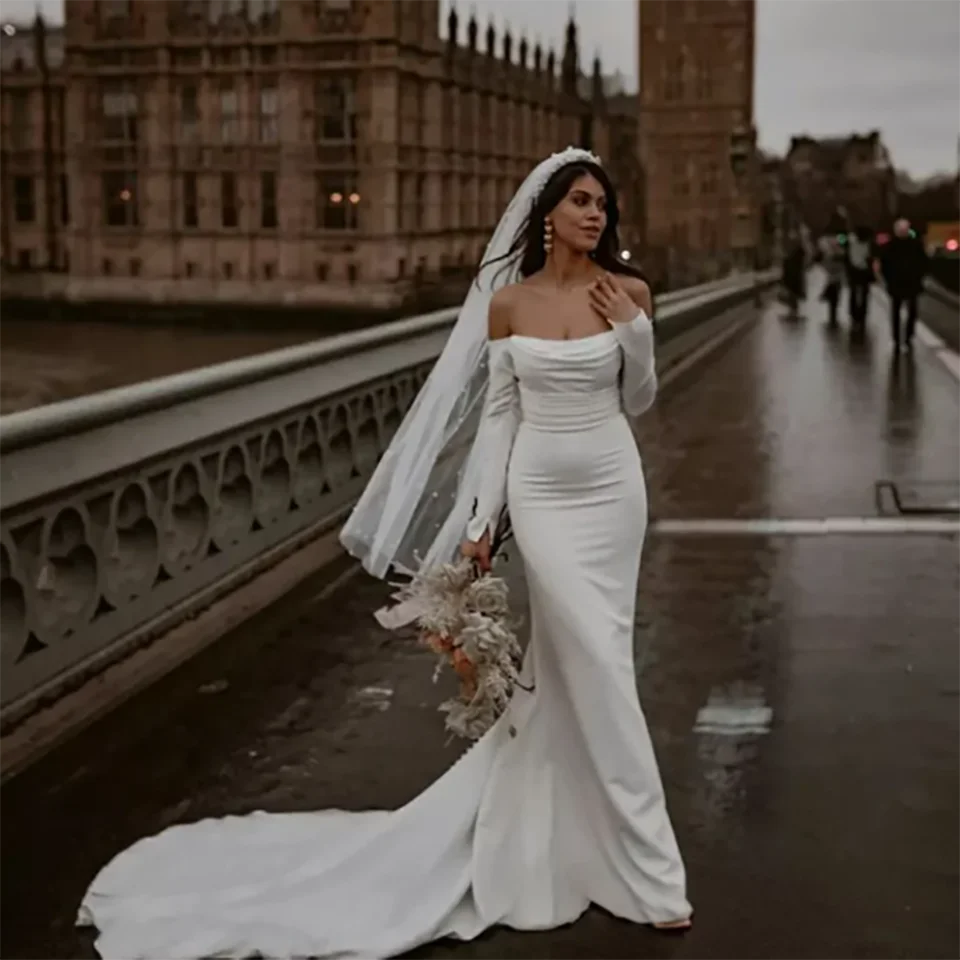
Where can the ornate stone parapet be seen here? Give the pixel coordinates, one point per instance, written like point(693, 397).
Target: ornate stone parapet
point(125, 512)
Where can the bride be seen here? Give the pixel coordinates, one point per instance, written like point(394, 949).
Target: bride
point(560, 804)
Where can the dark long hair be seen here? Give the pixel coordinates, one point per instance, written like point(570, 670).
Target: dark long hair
point(528, 243)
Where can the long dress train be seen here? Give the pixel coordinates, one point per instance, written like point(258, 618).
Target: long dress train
point(560, 805)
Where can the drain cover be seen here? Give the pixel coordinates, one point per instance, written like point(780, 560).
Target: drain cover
point(929, 498)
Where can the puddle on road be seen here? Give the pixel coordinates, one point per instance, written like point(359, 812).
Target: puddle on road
point(736, 711)
point(377, 698)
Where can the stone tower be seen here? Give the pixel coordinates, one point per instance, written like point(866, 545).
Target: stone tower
point(697, 134)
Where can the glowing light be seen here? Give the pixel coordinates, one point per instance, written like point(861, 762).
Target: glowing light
point(354, 198)
point(953, 244)
point(125, 195)
point(625, 254)
point(336, 198)
point(9, 29)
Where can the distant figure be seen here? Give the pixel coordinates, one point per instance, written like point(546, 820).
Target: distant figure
point(834, 266)
point(859, 275)
point(794, 274)
point(903, 263)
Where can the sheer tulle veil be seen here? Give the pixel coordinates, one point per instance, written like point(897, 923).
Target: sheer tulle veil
point(415, 508)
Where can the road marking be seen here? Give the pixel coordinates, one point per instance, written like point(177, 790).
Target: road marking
point(808, 527)
point(737, 711)
point(928, 338)
point(377, 698)
point(932, 341)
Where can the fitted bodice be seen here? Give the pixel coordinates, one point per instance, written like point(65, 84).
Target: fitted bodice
point(567, 384)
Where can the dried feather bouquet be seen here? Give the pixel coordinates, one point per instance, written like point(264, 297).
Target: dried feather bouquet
point(464, 617)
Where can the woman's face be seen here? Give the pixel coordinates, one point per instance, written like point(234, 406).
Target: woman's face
point(580, 217)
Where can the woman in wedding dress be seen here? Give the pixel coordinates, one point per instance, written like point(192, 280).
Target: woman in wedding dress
point(560, 804)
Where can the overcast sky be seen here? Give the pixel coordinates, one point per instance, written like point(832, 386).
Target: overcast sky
point(824, 67)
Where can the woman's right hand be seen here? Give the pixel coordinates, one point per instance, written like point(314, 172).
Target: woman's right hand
point(478, 550)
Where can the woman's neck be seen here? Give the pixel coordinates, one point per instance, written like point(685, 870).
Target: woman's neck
point(567, 268)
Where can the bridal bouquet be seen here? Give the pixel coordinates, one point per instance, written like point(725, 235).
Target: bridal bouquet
point(464, 617)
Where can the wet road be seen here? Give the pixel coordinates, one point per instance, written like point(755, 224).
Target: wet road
point(834, 833)
point(43, 361)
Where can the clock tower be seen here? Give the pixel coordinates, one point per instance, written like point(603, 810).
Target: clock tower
point(697, 135)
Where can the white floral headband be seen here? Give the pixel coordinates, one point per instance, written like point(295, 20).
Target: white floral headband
point(557, 161)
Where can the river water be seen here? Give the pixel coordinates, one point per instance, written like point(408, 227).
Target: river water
point(43, 361)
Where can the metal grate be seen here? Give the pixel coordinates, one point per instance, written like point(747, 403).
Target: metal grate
point(926, 499)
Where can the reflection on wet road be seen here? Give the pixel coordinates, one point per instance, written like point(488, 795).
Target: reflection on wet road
point(802, 693)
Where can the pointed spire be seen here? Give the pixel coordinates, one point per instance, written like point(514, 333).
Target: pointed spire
point(596, 86)
point(40, 40)
point(524, 49)
point(491, 40)
point(537, 58)
point(570, 68)
point(472, 32)
point(453, 23)
point(508, 46)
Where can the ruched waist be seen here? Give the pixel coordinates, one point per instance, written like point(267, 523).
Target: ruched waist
point(569, 412)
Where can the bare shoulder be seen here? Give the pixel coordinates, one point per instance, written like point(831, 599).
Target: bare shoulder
point(502, 307)
point(638, 291)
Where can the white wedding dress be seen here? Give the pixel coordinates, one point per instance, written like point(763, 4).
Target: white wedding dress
point(560, 805)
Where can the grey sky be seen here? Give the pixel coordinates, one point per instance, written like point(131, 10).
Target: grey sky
point(824, 67)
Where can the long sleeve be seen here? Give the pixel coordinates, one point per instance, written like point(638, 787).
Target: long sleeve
point(498, 428)
point(638, 385)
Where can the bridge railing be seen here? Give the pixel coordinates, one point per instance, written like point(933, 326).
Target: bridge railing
point(125, 512)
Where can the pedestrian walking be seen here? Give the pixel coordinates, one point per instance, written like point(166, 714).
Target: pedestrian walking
point(860, 275)
point(832, 260)
point(903, 265)
point(794, 275)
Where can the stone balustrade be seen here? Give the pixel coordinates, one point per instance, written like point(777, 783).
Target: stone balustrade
point(125, 512)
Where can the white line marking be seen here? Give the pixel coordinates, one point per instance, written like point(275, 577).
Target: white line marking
point(808, 527)
point(951, 361)
point(929, 339)
point(735, 712)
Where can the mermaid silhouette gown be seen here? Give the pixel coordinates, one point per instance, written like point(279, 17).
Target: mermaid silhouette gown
point(558, 806)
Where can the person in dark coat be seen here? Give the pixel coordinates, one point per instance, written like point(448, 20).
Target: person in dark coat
point(903, 264)
point(794, 274)
point(832, 260)
point(860, 258)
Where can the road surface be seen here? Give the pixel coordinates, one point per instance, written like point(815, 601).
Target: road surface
point(827, 828)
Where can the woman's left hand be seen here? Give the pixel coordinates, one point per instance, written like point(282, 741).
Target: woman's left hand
point(611, 301)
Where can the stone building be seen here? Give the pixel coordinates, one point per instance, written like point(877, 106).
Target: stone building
point(697, 136)
point(35, 196)
point(328, 152)
point(836, 181)
point(622, 159)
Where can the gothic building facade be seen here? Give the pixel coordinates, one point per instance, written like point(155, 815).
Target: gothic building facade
point(328, 151)
point(35, 194)
point(697, 136)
